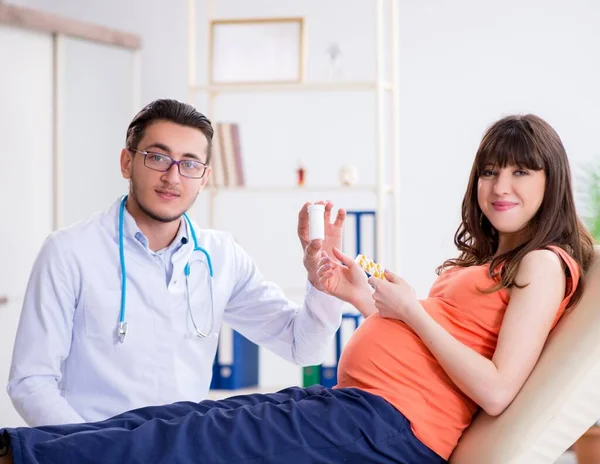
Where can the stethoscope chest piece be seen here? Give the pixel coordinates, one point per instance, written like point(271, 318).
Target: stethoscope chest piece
point(122, 331)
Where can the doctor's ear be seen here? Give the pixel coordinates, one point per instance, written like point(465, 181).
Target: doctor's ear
point(205, 178)
point(126, 163)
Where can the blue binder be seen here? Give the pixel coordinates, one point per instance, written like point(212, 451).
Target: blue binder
point(329, 368)
point(362, 232)
point(236, 362)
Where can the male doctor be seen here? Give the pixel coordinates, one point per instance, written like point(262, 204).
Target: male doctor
point(121, 310)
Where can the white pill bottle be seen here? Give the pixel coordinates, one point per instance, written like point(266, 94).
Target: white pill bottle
point(316, 222)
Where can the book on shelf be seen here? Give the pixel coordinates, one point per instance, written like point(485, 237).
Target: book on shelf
point(226, 162)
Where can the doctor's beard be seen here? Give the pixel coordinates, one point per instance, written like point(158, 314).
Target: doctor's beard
point(134, 189)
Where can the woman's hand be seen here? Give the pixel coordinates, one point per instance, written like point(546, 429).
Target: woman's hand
point(345, 280)
point(394, 298)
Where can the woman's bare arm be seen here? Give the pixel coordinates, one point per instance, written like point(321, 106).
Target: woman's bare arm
point(493, 384)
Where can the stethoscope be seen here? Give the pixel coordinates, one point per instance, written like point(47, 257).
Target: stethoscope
point(122, 327)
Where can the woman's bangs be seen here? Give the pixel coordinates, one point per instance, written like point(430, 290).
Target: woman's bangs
point(512, 149)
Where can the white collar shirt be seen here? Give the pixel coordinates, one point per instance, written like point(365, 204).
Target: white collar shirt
point(68, 364)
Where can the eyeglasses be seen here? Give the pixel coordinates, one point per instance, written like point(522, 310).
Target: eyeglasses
point(160, 162)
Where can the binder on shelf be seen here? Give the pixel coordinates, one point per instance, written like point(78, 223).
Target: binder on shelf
point(330, 363)
point(236, 362)
point(361, 232)
point(329, 368)
point(311, 375)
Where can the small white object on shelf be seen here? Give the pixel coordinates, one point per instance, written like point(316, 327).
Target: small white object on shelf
point(348, 175)
point(335, 67)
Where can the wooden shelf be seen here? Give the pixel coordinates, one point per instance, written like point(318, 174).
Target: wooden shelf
point(293, 86)
point(307, 189)
point(29, 18)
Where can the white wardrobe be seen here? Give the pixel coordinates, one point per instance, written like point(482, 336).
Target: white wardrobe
point(67, 93)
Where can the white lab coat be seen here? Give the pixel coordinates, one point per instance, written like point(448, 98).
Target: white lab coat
point(68, 365)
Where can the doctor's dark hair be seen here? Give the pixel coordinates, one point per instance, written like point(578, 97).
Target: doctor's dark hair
point(527, 142)
point(172, 111)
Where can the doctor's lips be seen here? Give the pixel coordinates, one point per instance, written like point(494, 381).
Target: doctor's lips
point(503, 205)
point(167, 194)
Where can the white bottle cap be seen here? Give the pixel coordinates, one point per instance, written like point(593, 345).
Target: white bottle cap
point(316, 222)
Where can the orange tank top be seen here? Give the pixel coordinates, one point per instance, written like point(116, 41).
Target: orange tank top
point(386, 358)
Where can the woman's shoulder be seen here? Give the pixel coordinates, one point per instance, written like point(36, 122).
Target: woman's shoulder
point(541, 258)
point(553, 256)
point(564, 257)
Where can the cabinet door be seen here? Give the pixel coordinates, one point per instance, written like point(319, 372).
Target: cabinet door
point(26, 96)
point(26, 111)
point(96, 101)
point(9, 319)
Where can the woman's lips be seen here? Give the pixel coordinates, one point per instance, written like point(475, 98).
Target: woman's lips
point(503, 205)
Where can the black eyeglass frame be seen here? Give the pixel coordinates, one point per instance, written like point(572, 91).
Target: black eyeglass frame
point(178, 163)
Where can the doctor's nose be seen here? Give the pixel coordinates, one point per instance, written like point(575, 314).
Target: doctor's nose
point(172, 175)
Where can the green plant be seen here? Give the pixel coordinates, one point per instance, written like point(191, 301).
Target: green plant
point(591, 179)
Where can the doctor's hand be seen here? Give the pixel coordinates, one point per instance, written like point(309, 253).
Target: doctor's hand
point(395, 298)
point(312, 249)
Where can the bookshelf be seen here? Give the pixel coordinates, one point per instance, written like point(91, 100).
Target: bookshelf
point(387, 202)
point(244, 211)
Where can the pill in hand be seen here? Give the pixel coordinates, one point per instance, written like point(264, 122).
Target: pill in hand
point(370, 267)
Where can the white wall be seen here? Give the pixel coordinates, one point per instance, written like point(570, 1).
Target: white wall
point(463, 64)
point(161, 24)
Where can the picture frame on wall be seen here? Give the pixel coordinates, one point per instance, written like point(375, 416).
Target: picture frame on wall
point(256, 51)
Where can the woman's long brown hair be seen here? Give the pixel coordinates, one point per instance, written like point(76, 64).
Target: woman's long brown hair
point(531, 143)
